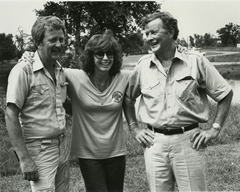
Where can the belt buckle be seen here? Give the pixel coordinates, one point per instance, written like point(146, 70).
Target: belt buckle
point(152, 129)
point(166, 131)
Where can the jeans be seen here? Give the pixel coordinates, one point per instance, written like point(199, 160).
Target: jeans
point(172, 160)
point(103, 175)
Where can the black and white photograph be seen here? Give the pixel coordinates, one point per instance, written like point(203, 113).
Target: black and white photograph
point(119, 96)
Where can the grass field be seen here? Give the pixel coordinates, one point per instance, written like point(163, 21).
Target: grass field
point(223, 166)
point(222, 155)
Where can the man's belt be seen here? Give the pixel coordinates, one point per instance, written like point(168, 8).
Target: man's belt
point(172, 131)
point(60, 137)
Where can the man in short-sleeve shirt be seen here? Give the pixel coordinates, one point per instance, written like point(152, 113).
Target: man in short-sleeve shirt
point(173, 90)
point(35, 116)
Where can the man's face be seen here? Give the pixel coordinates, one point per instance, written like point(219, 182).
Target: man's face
point(52, 45)
point(157, 37)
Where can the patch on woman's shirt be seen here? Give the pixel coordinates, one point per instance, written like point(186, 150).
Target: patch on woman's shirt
point(117, 96)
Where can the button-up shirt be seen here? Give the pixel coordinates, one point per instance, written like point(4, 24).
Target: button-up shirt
point(178, 98)
point(39, 98)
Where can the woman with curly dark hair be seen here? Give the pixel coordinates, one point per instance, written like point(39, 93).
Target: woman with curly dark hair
point(96, 93)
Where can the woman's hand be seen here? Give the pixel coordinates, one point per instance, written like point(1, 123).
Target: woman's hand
point(181, 48)
point(143, 136)
point(27, 56)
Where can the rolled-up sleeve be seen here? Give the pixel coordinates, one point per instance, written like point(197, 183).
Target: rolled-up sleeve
point(134, 88)
point(216, 86)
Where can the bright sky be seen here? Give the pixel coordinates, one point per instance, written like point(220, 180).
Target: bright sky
point(194, 16)
point(202, 16)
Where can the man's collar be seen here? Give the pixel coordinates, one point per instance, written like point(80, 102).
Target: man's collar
point(155, 60)
point(37, 64)
point(178, 55)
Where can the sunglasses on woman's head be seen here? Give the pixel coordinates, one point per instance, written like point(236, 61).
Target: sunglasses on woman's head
point(100, 54)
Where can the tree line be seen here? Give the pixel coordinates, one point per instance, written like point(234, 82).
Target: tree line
point(83, 19)
point(228, 36)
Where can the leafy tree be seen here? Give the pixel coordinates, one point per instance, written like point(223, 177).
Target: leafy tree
point(132, 43)
point(191, 41)
point(230, 34)
point(182, 42)
point(83, 19)
point(201, 41)
point(208, 40)
point(198, 40)
point(23, 42)
point(7, 48)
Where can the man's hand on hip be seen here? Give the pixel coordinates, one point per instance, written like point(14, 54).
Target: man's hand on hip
point(202, 137)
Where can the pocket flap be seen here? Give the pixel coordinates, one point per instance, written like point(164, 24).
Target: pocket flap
point(40, 88)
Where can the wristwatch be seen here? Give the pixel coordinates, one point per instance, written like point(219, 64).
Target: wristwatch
point(216, 126)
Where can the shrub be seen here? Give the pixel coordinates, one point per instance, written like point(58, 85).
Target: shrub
point(70, 60)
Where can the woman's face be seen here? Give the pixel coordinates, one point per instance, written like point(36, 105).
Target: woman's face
point(103, 60)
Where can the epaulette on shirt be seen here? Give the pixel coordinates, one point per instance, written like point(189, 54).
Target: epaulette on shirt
point(144, 57)
point(23, 63)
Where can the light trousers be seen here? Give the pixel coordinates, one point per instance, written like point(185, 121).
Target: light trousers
point(51, 158)
point(172, 161)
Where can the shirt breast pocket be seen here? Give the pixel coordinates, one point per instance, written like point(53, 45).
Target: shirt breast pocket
point(151, 89)
point(41, 95)
point(186, 88)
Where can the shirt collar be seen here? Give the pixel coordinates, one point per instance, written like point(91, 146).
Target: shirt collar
point(177, 54)
point(37, 65)
point(182, 56)
point(154, 60)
